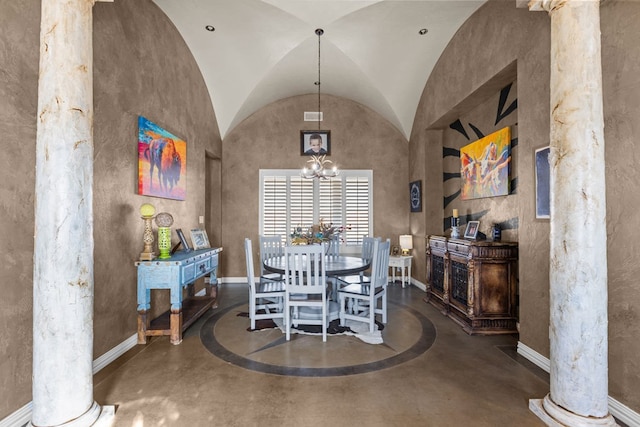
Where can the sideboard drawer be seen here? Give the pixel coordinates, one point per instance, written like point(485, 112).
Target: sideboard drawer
point(438, 244)
point(458, 248)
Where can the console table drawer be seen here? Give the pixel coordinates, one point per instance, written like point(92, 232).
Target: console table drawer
point(202, 267)
point(159, 276)
point(188, 273)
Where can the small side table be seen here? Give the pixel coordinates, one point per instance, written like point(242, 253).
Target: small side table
point(402, 262)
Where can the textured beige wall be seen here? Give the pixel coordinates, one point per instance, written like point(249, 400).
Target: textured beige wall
point(476, 64)
point(19, 55)
point(141, 67)
point(270, 139)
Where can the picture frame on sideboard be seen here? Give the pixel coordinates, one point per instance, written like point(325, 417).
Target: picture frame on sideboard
point(471, 232)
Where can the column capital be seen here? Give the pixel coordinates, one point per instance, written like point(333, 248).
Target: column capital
point(545, 5)
point(548, 5)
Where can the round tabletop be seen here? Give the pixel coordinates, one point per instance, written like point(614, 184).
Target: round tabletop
point(334, 265)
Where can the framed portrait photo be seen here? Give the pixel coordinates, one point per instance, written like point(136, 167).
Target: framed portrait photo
point(471, 232)
point(315, 142)
point(199, 239)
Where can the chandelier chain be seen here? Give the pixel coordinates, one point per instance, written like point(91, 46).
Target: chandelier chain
point(319, 32)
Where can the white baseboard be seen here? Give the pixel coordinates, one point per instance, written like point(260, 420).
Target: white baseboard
point(534, 357)
point(19, 418)
point(233, 279)
point(418, 284)
point(618, 410)
point(114, 353)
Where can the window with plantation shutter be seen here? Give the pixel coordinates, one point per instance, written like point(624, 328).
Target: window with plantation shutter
point(288, 201)
point(357, 208)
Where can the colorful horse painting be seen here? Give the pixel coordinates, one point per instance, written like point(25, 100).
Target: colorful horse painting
point(484, 166)
point(162, 154)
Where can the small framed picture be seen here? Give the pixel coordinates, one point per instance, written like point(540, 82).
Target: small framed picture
point(415, 196)
point(471, 232)
point(183, 240)
point(315, 142)
point(199, 239)
point(543, 178)
point(395, 250)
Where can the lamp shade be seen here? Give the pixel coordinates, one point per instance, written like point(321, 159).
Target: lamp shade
point(406, 241)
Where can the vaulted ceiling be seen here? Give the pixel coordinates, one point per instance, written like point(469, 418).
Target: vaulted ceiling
point(372, 52)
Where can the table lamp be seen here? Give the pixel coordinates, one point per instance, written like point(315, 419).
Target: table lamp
point(146, 212)
point(406, 243)
point(164, 221)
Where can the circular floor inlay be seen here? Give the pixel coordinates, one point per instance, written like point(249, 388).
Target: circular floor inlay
point(407, 335)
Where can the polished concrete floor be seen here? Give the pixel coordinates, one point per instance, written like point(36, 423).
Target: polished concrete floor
point(428, 372)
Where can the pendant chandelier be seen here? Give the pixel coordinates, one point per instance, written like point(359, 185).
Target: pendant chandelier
point(319, 166)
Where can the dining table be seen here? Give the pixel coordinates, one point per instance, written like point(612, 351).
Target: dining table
point(341, 265)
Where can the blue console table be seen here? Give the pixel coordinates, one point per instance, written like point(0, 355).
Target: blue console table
point(176, 273)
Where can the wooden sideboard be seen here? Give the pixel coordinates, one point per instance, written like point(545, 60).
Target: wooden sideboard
point(176, 273)
point(474, 283)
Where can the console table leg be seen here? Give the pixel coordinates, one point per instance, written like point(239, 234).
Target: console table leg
point(211, 290)
point(176, 326)
point(143, 325)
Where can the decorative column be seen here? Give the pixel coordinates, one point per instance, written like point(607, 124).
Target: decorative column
point(63, 254)
point(578, 261)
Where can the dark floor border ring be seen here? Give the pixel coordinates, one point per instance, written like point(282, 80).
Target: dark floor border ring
point(208, 339)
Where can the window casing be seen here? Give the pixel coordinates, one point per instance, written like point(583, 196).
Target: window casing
point(287, 200)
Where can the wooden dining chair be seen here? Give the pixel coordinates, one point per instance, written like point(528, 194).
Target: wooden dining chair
point(266, 298)
point(366, 254)
point(270, 246)
point(368, 298)
point(334, 246)
point(306, 299)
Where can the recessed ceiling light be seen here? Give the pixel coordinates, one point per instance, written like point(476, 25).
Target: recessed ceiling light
point(423, 31)
point(210, 28)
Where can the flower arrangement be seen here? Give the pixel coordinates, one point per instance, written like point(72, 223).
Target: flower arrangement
point(317, 233)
